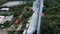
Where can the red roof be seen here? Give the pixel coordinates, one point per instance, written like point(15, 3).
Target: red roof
point(16, 21)
point(43, 14)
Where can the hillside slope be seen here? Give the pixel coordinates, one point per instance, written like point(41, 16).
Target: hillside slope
point(51, 20)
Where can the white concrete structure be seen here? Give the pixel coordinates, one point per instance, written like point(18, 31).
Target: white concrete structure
point(4, 19)
point(35, 17)
point(7, 9)
point(36, 5)
point(33, 24)
point(13, 3)
point(27, 25)
point(7, 18)
point(1, 19)
point(24, 32)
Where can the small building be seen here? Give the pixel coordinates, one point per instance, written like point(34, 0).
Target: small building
point(16, 21)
